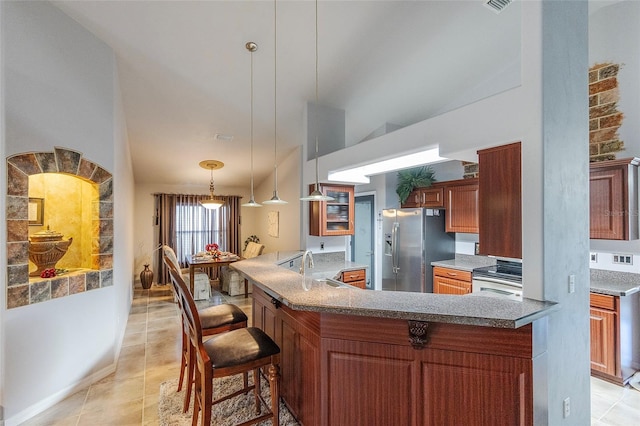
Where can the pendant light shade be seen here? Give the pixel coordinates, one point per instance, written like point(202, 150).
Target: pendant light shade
point(276, 198)
point(211, 203)
point(317, 195)
point(251, 47)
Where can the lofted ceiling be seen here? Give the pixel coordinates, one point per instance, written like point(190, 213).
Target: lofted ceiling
point(184, 72)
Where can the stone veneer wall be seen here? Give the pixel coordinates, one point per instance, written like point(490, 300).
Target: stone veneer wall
point(604, 117)
point(20, 290)
point(470, 170)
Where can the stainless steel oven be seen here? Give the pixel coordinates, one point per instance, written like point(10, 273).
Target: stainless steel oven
point(504, 279)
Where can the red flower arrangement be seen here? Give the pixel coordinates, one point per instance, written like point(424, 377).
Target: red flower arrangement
point(213, 249)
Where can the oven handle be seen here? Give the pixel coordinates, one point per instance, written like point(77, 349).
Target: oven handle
point(498, 281)
point(495, 290)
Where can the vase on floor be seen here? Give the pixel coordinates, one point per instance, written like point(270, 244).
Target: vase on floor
point(146, 277)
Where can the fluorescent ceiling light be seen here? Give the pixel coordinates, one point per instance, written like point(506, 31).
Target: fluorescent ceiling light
point(360, 174)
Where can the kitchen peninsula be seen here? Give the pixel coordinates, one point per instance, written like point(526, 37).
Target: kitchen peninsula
point(352, 356)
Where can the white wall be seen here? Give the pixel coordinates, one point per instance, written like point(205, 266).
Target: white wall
point(3, 223)
point(61, 90)
point(289, 172)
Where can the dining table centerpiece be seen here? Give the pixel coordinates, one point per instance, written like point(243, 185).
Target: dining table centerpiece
point(213, 250)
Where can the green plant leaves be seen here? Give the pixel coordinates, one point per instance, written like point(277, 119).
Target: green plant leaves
point(410, 179)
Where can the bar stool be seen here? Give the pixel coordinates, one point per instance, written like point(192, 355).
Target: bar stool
point(214, 320)
point(234, 352)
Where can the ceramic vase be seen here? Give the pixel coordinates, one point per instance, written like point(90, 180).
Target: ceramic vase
point(146, 277)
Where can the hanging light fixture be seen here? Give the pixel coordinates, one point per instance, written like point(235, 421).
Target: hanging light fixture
point(275, 199)
point(251, 47)
point(211, 203)
point(317, 195)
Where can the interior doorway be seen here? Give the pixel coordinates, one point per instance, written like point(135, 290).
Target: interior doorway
point(363, 241)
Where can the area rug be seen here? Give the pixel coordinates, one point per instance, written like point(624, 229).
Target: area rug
point(228, 413)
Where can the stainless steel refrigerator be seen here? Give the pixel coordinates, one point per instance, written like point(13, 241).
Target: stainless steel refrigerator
point(413, 238)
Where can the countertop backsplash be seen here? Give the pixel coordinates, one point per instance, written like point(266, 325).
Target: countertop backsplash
point(606, 261)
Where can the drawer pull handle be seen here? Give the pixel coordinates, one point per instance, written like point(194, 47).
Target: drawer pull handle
point(452, 274)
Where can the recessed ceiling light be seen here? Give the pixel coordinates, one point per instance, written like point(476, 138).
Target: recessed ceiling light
point(222, 137)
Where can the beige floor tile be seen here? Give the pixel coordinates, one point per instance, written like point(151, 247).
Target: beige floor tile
point(134, 339)
point(622, 414)
point(124, 413)
point(107, 395)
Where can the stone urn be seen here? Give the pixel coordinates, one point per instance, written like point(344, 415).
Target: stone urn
point(46, 248)
point(146, 277)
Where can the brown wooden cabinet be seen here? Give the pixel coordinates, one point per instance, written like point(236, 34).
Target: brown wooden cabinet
point(355, 277)
point(613, 202)
point(451, 281)
point(604, 329)
point(431, 197)
point(461, 206)
point(500, 207)
point(296, 333)
point(332, 217)
point(351, 370)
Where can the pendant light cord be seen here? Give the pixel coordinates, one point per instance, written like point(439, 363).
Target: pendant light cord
point(275, 94)
point(317, 101)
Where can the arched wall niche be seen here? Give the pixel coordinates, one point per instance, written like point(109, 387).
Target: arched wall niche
point(22, 291)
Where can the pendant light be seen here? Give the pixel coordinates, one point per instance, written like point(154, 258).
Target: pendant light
point(317, 195)
point(211, 203)
point(275, 199)
point(251, 47)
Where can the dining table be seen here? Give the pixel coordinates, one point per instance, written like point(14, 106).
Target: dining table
point(210, 262)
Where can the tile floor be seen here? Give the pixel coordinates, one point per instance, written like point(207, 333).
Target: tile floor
point(151, 353)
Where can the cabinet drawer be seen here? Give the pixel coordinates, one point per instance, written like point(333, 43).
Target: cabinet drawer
point(602, 301)
point(455, 274)
point(355, 275)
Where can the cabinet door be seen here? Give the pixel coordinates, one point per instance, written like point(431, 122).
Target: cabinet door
point(603, 341)
point(432, 197)
point(462, 208)
point(607, 204)
point(500, 207)
point(413, 200)
point(335, 217)
point(448, 286)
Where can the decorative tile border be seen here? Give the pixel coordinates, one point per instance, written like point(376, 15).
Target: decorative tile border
point(20, 290)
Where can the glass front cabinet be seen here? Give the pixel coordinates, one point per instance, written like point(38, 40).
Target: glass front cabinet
point(332, 217)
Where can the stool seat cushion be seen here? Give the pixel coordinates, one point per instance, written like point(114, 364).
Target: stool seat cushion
point(219, 315)
point(239, 347)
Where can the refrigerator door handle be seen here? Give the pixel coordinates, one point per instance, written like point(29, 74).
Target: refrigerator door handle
point(394, 246)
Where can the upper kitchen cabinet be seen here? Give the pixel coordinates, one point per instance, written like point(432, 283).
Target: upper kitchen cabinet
point(431, 197)
point(332, 217)
point(500, 208)
point(461, 206)
point(613, 199)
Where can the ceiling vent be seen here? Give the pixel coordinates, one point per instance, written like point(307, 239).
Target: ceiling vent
point(497, 5)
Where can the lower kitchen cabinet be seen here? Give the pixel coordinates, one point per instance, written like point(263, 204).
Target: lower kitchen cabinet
point(451, 281)
point(357, 370)
point(355, 277)
point(615, 337)
point(296, 333)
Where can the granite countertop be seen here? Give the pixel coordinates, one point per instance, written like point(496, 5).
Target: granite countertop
point(614, 283)
point(465, 262)
point(305, 293)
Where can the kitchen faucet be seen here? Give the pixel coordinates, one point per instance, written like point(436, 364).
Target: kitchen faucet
point(304, 257)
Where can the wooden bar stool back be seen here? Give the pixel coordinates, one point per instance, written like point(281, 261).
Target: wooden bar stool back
point(237, 351)
point(214, 320)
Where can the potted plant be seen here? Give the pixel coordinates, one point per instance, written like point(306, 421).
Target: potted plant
point(410, 179)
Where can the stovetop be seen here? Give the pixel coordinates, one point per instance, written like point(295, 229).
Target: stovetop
point(503, 269)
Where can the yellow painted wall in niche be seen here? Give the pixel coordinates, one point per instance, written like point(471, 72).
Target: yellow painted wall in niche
point(68, 209)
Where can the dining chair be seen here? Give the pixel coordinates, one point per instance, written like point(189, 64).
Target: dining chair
point(237, 351)
point(231, 281)
point(214, 320)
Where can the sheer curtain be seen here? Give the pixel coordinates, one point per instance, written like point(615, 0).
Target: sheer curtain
point(187, 227)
